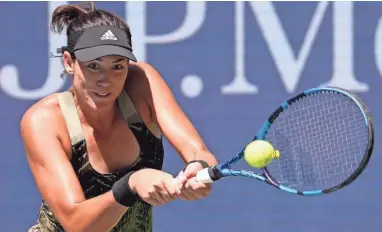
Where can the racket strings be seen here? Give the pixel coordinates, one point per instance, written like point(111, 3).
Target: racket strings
point(322, 139)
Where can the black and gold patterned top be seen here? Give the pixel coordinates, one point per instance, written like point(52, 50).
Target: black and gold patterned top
point(137, 218)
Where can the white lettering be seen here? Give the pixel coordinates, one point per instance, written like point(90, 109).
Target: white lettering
point(136, 17)
point(343, 54)
point(378, 46)
point(240, 84)
point(10, 79)
point(288, 66)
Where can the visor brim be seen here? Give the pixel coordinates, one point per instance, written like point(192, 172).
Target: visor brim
point(92, 53)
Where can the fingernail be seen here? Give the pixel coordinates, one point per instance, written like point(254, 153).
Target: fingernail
point(180, 173)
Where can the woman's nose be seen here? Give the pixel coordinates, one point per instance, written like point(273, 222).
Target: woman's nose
point(103, 80)
point(103, 83)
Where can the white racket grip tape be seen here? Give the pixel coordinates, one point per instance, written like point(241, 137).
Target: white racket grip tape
point(203, 176)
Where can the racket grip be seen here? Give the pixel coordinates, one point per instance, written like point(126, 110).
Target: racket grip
point(208, 175)
point(204, 176)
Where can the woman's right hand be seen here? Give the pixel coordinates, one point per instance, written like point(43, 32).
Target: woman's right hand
point(155, 187)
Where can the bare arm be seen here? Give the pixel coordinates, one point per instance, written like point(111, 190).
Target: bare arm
point(56, 179)
point(173, 122)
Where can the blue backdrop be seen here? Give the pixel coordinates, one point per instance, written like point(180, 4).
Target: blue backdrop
point(229, 65)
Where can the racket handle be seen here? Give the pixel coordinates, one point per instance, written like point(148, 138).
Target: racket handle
point(203, 176)
point(207, 175)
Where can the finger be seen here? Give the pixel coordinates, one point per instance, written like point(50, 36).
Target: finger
point(158, 193)
point(187, 195)
point(153, 202)
point(192, 169)
point(161, 195)
point(152, 198)
point(199, 190)
point(169, 192)
point(162, 192)
point(173, 189)
point(193, 191)
point(156, 197)
point(181, 178)
point(180, 173)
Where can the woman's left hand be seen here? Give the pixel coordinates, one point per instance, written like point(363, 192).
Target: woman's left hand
point(190, 188)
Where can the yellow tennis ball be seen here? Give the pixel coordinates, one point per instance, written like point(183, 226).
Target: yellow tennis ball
point(260, 153)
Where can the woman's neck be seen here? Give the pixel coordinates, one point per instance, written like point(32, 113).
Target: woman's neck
point(100, 120)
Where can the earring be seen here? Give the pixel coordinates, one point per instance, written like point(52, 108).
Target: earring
point(63, 74)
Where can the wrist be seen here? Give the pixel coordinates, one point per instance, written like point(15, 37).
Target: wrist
point(123, 193)
point(132, 181)
point(203, 163)
point(205, 156)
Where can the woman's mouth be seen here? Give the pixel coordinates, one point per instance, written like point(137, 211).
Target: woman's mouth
point(102, 95)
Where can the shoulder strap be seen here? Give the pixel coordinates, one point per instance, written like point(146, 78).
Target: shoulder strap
point(131, 115)
point(128, 109)
point(68, 108)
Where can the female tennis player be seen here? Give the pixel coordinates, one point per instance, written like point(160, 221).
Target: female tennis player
point(96, 150)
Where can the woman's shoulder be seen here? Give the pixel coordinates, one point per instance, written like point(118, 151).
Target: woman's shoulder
point(44, 118)
point(45, 107)
point(43, 115)
point(141, 69)
point(139, 65)
point(140, 76)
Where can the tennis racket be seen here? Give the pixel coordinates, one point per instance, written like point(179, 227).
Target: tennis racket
point(325, 137)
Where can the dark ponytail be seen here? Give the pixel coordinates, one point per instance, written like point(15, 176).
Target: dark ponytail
point(64, 15)
point(76, 18)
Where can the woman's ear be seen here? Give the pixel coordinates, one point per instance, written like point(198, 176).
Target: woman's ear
point(68, 62)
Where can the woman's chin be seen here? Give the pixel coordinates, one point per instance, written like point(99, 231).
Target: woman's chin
point(99, 101)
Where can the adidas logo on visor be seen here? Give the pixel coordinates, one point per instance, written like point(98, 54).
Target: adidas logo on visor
point(108, 36)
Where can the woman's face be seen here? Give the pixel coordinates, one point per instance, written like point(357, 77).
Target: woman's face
point(99, 82)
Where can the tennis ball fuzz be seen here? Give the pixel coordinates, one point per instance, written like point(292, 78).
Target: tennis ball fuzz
point(260, 153)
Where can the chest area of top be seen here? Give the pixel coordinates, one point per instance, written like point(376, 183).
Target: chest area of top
point(112, 151)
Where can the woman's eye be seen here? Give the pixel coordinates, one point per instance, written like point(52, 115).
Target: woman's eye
point(118, 66)
point(93, 66)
